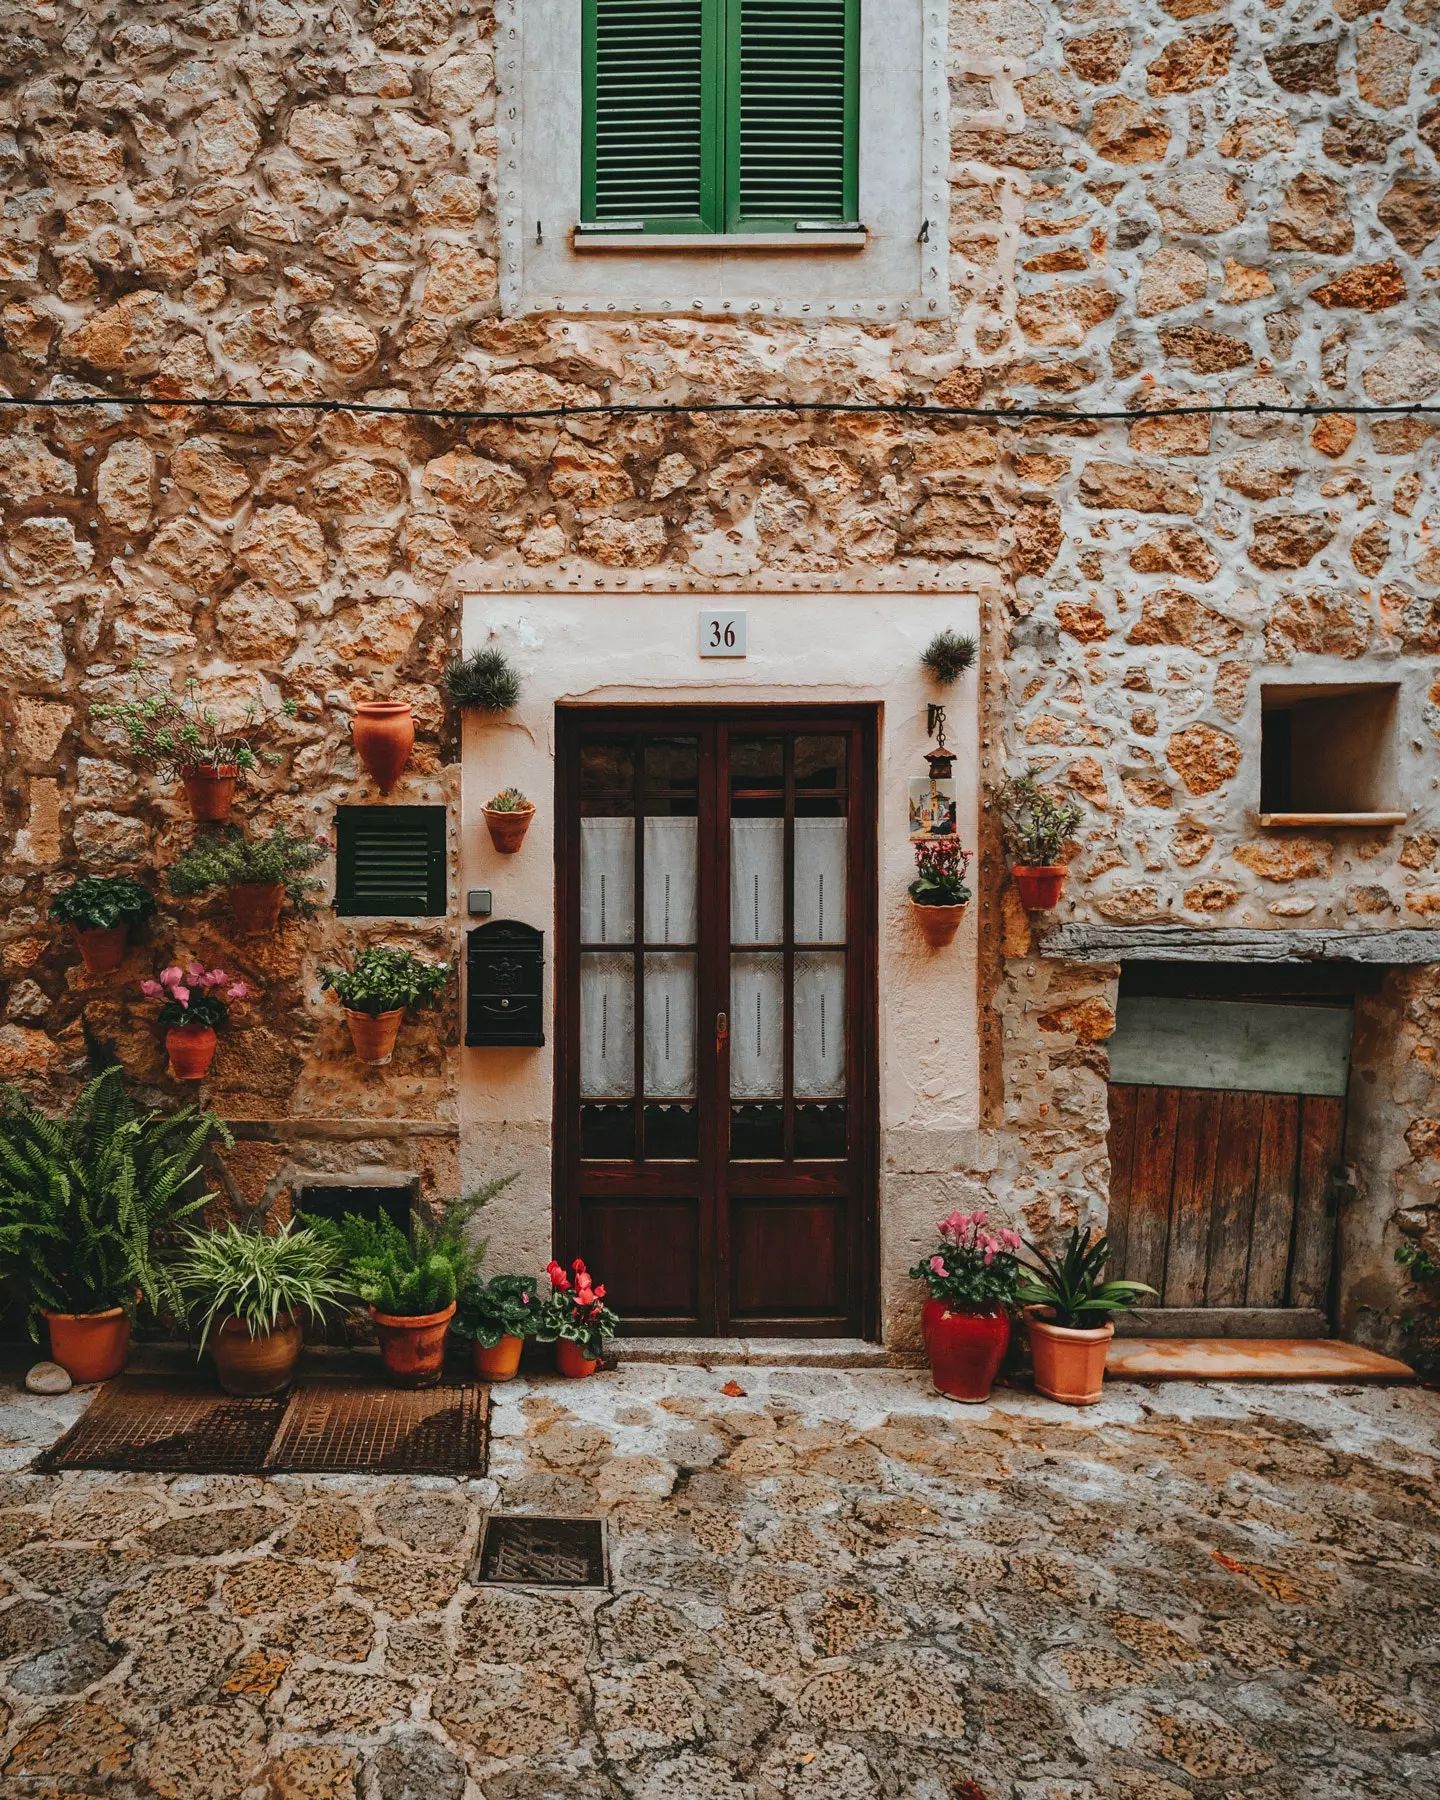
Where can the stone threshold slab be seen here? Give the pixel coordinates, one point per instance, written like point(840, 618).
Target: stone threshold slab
point(775, 1352)
point(1249, 1359)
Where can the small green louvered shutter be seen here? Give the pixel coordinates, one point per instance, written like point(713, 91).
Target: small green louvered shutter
point(389, 860)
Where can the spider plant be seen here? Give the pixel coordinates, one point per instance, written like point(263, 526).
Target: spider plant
point(1070, 1284)
point(261, 1279)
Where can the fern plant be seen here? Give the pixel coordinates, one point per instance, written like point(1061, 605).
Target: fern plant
point(83, 1197)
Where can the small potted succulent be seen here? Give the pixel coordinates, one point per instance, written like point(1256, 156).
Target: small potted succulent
point(193, 1006)
point(1038, 829)
point(938, 894)
point(377, 990)
point(966, 1320)
point(254, 1291)
point(498, 1315)
point(383, 735)
point(581, 1323)
point(100, 910)
point(507, 818)
point(257, 874)
point(1067, 1311)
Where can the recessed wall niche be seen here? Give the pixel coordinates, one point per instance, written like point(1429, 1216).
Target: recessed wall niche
point(1327, 754)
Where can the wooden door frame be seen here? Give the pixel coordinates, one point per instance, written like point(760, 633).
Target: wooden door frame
point(863, 992)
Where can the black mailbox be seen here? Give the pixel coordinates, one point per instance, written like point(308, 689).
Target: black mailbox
point(505, 962)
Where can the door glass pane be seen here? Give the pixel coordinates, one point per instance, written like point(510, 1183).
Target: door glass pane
point(672, 1133)
point(607, 1131)
point(670, 1025)
point(607, 1025)
point(820, 762)
point(757, 1020)
point(607, 881)
point(820, 1025)
point(670, 898)
point(757, 762)
point(757, 881)
point(757, 1131)
point(820, 881)
point(819, 1130)
point(607, 766)
point(672, 763)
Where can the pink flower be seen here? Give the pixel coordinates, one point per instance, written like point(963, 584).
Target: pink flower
point(1010, 1239)
point(979, 1218)
point(216, 978)
point(989, 1258)
point(182, 994)
point(195, 974)
point(937, 1264)
point(152, 990)
point(236, 991)
point(170, 977)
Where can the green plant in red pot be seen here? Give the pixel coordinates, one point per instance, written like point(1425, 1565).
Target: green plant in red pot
point(580, 1320)
point(497, 1316)
point(1067, 1310)
point(101, 911)
point(971, 1278)
point(193, 1008)
point(1038, 829)
point(257, 875)
point(377, 990)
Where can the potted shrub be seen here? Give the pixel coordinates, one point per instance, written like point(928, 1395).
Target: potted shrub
point(485, 680)
point(192, 1009)
point(254, 1292)
point(580, 1322)
point(377, 990)
point(257, 874)
point(1067, 1310)
point(82, 1199)
point(384, 736)
point(1037, 829)
point(178, 734)
point(100, 909)
point(507, 818)
point(966, 1320)
point(938, 894)
point(498, 1315)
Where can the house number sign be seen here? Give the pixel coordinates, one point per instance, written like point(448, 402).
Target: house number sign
point(722, 634)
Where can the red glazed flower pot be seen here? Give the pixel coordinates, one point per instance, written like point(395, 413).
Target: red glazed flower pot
point(210, 792)
point(1040, 885)
point(966, 1344)
point(90, 1346)
point(413, 1350)
point(938, 923)
point(255, 906)
point(572, 1361)
point(507, 829)
point(102, 946)
point(191, 1048)
point(383, 735)
point(374, 1034)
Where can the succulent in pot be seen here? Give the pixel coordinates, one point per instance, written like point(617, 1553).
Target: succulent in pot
point(84, 1197)
point(378, 988)
point(252, 1292)
point(938, 894)
point(258, 875)
point(101, 911)
point(1067, 1311)
point(1038, 829)
point(498, 1316)
point(971, 1278)
point(507, 819)
point(578, 1318)
point(193, 1008)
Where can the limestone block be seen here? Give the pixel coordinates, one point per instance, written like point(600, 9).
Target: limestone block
point(203, 466)
point(284, 548)
point(1410, 212)
point(256, 624)
point(1204, 758)
point(1289, 540)
point(1384, 61)
point(1370, 287)
point(39, 728)
point(1198, 60)
point(1169, 279)
point(32, 641)
point(45, 549)
point(121, 338)
point(1122, 131)
point(1313, 216)
point(461, 479)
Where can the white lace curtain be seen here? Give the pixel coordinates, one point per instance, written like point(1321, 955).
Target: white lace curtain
point(757, 881)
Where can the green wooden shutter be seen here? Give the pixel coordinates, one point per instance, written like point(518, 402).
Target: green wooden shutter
point(651, 131)
point(389, 860)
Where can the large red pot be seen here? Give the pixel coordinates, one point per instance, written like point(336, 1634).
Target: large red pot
point(102, 946)
point(192, 1050)
point(255, 906)
point(413, 1350)
point(571, 1360)
point(90, 1346)
point(374, 1034)
point(383, 735)
point(210, 792)
point(966, 1344)
point(1040, 885)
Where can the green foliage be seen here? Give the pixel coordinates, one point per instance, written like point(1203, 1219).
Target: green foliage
point(504, 1306)
point(485, 679)
point(229, 858)
point(1037, 827)
point(1070, 1284)
point(172, 732)
point(380, 980)
point(1421, 1322)
point(257, 1278)
point(98, 902)
point(948, 655)
point(509, 800)
point(940, 866)
point(84, 1196)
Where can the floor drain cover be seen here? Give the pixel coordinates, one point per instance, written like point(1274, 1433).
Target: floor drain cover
point(520, 1551)
point(332, 1427)
point(154, 1424)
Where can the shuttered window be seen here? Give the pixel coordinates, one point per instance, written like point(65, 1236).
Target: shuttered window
point(389, 860)
point(720, 115)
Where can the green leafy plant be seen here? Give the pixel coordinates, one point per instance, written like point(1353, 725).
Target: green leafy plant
point(1037, 826)
point(948, 655)
point(940, 866)
point(504, 1306)
point(575, 1309)
point(172, 732)
point(1421, 1321)
point(510, 800)
point(84, 1197)
point(381, 980)
point(100, 902)
point(258, 1278)
point(486, 679)
point(229, 858)
point(409, 1277)
point(1071, 1286)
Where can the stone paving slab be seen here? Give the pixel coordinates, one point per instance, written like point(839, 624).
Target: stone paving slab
point(1250, 1359)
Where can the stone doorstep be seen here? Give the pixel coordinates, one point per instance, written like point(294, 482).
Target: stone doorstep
point(1249, 1359)
point(774, 1352)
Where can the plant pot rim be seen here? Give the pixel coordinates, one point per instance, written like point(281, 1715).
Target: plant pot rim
point(105, 1312)
point(354, 1012)
point(382, 706)
point(1088, 1334)
point(281, 1324)
point(267, 885)
point(208, 771)
point(969, 1306)
point(508, 812)
point(415, 1321)
point(939, 905)
point(1024, 868)
point(186, 1026)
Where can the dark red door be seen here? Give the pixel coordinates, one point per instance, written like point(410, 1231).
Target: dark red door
point(715, 1081)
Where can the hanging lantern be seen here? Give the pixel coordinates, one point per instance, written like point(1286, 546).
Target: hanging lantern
point(932, 796)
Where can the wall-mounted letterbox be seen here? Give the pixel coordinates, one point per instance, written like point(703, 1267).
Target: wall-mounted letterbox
point(504, 967)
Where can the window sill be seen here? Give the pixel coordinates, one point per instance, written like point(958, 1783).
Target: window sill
point(1354, 821)
point(708, 242)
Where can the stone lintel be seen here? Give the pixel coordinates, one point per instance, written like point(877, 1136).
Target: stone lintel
point(345, 1131)
point(1179, 943)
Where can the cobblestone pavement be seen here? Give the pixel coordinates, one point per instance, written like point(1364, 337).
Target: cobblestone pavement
point(827, 1586)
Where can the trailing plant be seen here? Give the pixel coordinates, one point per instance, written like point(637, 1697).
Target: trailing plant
point(229, 858)
point(948, 655)
point(191, 995)
point(258, 1278)
point(504, 1306)
point(576, 1310)
point(172, 732)
point(972, 1266)
point(381, 980)
point(1421, 1323)
point(486, 679)
point(84, 1197)
point(1071, 1286)
point(1037, 826)
point(509, 800)
point(940, 866)
point(100, 902)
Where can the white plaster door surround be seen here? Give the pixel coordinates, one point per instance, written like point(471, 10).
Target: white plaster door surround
point(614, 649)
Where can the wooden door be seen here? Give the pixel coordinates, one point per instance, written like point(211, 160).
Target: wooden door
point(715, 1083)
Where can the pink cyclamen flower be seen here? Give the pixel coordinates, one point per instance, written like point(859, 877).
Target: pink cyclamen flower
point(937, 1264)
point(979, 1218)
point(152, 990)
point(169, 977)
point(195, 973)
point(1010, 1239)
point(216, 978)
point(236, 991)
point(182, 994)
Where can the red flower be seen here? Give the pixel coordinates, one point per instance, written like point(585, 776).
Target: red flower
point(558, 1278)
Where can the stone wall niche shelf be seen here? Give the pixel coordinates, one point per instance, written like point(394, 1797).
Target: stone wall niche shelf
point(1344, 821)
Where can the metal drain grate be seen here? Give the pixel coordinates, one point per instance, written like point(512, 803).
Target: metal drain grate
point(332, 1427)
point(155, 1424)
point(522, 1551)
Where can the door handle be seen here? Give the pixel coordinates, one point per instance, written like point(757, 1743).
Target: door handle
point(722, 1032)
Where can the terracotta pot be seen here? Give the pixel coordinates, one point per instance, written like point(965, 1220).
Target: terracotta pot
point(374, 1034)
point(966, 1345)
point(571, 1360)
point(939, 923)
point(210, 792)
point(90, 1346)
point(1040, 885)
point(383, 735)
point(192, 1050)
point(507, 829)
point(255, 906)
point(501, 1362)
point(413, 1350)
point(1069, 1363)
point(263, 1365)
point(102, 946)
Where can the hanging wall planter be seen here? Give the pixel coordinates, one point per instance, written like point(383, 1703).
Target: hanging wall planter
point(507, 819)
point(1040, 885)
point(374, 1034)
point(1038, 829)
point(192, 1008)
point(376, 991)
point(191, 1049)
point(938, 894)
point(938, 924)
point(210, 791)
point(384, 735)
point(256, 874)
point(255, 906)
point(100, 909)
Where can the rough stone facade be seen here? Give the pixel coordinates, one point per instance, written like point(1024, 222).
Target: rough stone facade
point(1149, 205)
